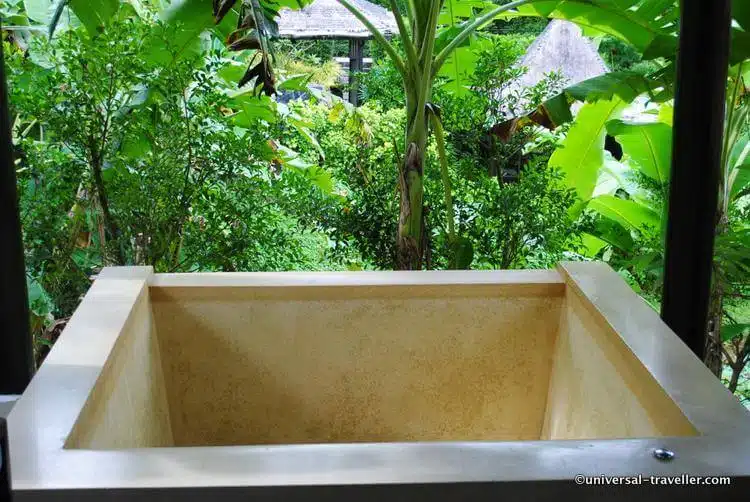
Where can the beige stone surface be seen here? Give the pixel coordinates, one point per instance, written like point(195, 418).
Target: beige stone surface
point(598, 387)
point(128, 406)
point(252, 367)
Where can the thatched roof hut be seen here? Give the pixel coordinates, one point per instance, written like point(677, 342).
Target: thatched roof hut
point(561, 48)
point(330, 19)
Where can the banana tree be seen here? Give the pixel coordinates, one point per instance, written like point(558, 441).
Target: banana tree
point(426, 50)
point(632, 219)
point(734, 184)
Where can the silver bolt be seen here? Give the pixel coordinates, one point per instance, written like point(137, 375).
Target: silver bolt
point(663, 454)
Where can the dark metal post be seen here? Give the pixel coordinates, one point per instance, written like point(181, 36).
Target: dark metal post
point(5, 492)
point(698, 130)
point(356, 64)
point(16, 353)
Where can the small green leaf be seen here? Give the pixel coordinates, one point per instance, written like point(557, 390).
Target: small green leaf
point(592, 245)
point(231, 72)
point(136, 146)
point(296, 83)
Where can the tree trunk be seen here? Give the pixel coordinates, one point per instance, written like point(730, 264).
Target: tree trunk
point(734, 381)
point(411, 236)
point(713, 353)
point(713, 356)
point(109, 222)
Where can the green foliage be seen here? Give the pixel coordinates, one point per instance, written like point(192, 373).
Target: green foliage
point(324, 72)
point(623, 57)
point(383, 85)
point(523, 224)
point(187, 167)
point(361, 149)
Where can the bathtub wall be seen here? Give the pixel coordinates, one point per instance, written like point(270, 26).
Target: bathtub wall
point(598, 388)
point(128, 406)
point(263, 365)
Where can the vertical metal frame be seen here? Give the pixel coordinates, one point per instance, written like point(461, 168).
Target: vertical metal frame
point(693, 197)
point(16, 351)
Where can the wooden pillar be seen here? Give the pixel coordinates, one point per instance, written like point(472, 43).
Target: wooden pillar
point(356, 64)
point(696, 163)
point(16, 353)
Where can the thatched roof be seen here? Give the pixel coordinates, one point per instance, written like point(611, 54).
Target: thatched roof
point(330, 19)
point(562, 49)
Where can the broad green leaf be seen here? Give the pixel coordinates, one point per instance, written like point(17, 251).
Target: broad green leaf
point(458, 69)
point(320, 178)
point(43, 12)
point(40, 11)
point(303, 128)
point(624, 85)
point(741, 13)
point(455, 11)
point(648, 145)
point(251, 109)
point(295, 83)
point(136, 146)
point(184, 21)
point(40, 302)
point(663, 46)
point(614, 234)
point(581, 155)
point(740, 181)
point(94, 14)
point(592, 245)
point(645, 262)
point(627, 213)
point(731, 331)
point(666, 114)
point(460, 65)
point(232, 72)
point(316, 174)
point(740, 49)
point(618, 18)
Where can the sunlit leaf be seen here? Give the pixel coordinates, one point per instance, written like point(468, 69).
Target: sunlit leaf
point(627, 213)
point(581, 155)
point(649, 145)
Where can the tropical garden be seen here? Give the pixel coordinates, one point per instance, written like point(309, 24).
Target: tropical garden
point(153, 132)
